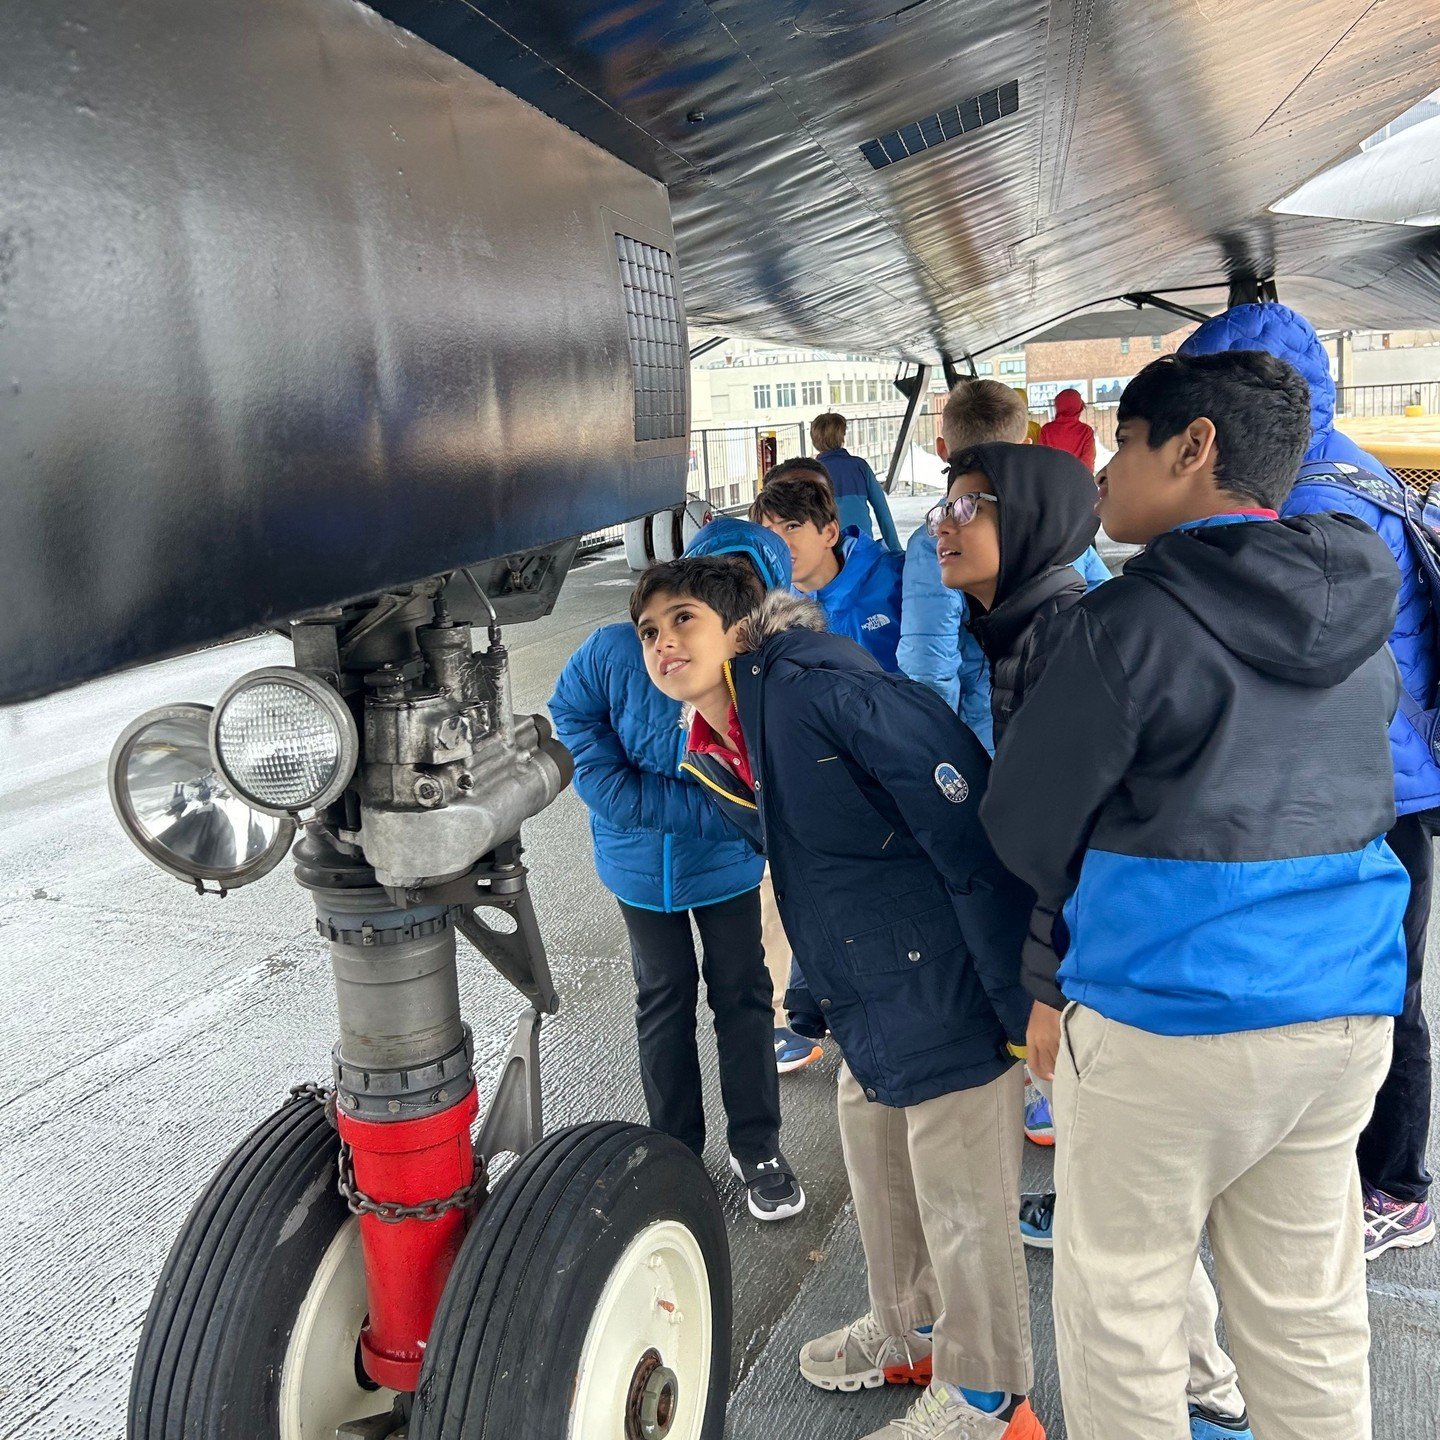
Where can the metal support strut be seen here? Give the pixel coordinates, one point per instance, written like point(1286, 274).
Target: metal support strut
point(914, 387)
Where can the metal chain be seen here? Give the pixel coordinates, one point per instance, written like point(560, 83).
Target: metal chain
point(390, 1212)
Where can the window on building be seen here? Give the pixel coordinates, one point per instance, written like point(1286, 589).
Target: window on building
point(985, 368)
point(762, 397)
point(873, 391)
point(1012, 367)
point(834, 392)
point(812, 392)
point(785, 395)
point(1156, 341)
point(1125, 346)
point(849, 392)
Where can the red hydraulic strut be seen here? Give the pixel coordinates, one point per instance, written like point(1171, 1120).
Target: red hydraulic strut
point(408, 1162)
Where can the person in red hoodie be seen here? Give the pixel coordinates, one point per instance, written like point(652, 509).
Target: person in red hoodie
point(1067, 431)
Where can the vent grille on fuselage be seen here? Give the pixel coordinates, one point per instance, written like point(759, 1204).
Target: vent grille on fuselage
point(932, 130)
point(657, 352)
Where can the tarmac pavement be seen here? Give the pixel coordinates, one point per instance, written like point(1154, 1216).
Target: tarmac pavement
point(150, 1028)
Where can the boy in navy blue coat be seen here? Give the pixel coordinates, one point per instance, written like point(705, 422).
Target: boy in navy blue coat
point(862, 789)
point(1200, 777)
point(667, 857)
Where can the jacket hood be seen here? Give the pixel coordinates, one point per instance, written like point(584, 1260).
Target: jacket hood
point(766, 551)
point(1068, 404)
point(1279, 331)
point(779, 612)
point(1046, 512)
point(1307, 599)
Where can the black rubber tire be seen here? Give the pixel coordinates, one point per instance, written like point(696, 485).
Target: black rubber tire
point(216, 1332)
point(506, 1342)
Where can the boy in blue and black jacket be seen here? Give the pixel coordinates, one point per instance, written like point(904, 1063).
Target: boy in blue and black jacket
point(862, 788)
point(667, 856)
point(1200, 777)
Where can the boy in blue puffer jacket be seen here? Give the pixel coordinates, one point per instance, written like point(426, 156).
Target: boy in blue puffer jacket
point(854, 580)
point(857, 491)
point(1392, 1150)
point(667, 855)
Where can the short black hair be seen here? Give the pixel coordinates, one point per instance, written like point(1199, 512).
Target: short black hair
point(798, 495)
point(797, 465)
point(1258, 404)
point(728, 584)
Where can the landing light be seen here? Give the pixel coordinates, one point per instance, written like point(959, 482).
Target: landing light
point(285, 741)
point(175, 806)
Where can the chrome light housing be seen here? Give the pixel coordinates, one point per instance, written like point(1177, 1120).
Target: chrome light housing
point(285, 742)
point(180, 812)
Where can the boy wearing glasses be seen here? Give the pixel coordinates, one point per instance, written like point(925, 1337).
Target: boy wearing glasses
point(862, 787)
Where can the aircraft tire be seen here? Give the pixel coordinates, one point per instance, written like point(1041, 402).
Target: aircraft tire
point(593, 1286)
point(241, 1336)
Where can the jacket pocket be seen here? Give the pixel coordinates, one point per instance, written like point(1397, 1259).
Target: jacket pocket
point(904, 944)
point(858, 827)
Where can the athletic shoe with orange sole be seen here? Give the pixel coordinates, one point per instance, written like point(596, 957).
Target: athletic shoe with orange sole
point(861, 1356)
point(1039, 1122)
point(943, 1413)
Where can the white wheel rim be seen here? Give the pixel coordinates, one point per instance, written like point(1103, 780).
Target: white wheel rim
point(657, 1298)
point(318, 1388)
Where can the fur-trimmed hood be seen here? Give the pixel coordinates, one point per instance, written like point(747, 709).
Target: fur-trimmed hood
point(777, 614)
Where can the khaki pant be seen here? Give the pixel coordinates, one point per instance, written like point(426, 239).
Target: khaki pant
point(1255, 1134)
point(937, 1189)
point(1213, 1382)
point(777, 947)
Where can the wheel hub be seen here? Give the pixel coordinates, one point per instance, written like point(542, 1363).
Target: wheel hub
point(654, 1396)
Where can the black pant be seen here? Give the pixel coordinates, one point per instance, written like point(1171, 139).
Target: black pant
point(1392, 1145)
point(737, 987)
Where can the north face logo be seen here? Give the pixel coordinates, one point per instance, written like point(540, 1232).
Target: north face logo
point(876, 622)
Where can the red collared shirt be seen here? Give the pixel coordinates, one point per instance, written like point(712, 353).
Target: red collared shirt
point(704, 741)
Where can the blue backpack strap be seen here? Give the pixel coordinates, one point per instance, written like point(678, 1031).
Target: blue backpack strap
point(1390, 495)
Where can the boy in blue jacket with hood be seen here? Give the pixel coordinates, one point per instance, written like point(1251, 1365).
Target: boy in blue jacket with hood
point(857, 491)
point(1392, 1150)
point(854, 580)
point(1200, 777)
point(668, 857)
point(861, 787)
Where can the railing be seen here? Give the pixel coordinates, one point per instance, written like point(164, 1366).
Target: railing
point(1374, 400)
point(726, 462)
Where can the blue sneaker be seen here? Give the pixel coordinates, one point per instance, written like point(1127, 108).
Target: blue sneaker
point(794, 1052)
point(1039, 1122)
point(1204, 1425)
point(1037, 1220)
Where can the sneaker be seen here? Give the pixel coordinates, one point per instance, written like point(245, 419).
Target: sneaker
point(861, 1356)
point(1207, 1425)
point(943, 1413)
point(1392, 1224)
point(775, 1193)
point(1037, 1220)
point(794, 1052)
point(1039, 1122)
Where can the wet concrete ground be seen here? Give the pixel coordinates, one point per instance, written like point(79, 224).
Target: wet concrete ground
point(149, 1029)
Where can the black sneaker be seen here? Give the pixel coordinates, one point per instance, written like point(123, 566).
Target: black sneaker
point(1207, 1425)
point(775, 1193)
point(1037, 1220)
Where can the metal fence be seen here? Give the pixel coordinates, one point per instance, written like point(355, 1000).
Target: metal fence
point(726, 462)
point(1372, 400)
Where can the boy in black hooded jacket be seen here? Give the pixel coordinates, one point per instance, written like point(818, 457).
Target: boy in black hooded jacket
point(1201, 777)
point(1014, 518)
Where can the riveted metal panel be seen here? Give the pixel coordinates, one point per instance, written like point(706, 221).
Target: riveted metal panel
point(292, 307)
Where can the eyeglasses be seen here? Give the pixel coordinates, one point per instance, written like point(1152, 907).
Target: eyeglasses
point(962, 510)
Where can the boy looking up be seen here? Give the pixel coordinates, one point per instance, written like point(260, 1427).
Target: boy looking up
point(1201, 777)
point(977, 412)
point(861, 787)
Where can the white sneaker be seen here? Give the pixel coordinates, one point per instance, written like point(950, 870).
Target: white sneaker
point(943, 1413)
point(861, 1356)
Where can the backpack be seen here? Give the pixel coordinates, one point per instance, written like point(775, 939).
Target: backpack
point(1422, 530)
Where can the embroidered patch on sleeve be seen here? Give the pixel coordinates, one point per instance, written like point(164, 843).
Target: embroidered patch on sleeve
point(952, 784)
